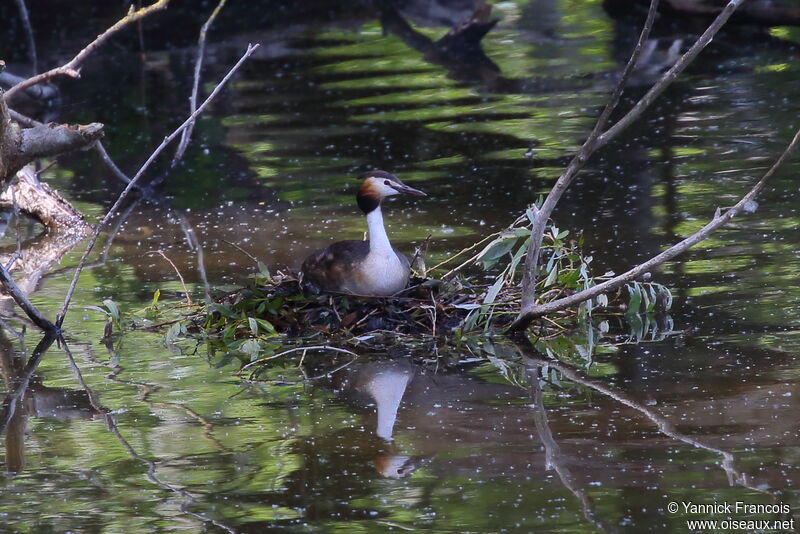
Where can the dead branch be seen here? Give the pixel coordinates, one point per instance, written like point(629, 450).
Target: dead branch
point(132, 184)
point(40, 201)
point(19, 297)
point(618, 281)
point(52, 139)
point(98, 145)
point(72, 68)
point(188, 230)
point(198, 66)
point(180, 276)
point(541, 216)
point(20, 146)
point(101, 151)
point(39, 92)
point(597, 140)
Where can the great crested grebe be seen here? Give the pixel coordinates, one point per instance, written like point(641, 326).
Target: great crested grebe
point(372, 267)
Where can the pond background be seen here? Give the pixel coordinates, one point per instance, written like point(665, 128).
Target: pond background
point(706, 415)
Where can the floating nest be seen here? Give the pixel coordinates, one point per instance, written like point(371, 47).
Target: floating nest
point(278, 305)
point(427, 306)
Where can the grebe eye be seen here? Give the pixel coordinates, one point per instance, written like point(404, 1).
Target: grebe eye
point(386, 182)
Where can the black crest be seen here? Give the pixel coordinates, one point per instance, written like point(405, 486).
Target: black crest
point(378, 174)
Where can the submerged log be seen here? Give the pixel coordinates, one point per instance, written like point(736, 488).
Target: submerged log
point(40, 201)
point(20, 186)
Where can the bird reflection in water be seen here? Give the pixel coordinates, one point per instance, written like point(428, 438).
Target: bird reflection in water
point(384, 384)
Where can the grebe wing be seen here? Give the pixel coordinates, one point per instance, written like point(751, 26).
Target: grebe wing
point(330, 268)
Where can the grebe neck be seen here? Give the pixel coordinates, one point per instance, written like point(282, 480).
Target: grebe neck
point(378, 240)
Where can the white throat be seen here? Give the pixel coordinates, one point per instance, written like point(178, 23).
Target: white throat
point(378, 240)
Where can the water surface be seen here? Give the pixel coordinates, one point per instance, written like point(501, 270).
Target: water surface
point(461, 439)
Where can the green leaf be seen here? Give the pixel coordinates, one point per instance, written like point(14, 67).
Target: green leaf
point(266, 326)
point(113, 309)
point(636, 326)
point(645, 298)
point(552, 276)
point(569, 278)
point(498, 248)
point(522, 232)
point(230, 331)
point(491, 294)
point(156, 296)
point(518, 256)
point(668, 293)
point(636, 299)
point(223, 310)
point(651, 305)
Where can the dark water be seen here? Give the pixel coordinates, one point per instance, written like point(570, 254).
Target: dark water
point(465, 439)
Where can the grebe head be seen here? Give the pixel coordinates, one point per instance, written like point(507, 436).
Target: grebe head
point(378, 185)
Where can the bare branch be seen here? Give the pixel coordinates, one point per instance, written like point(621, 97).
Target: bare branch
point(574, 167)
point(177, 271)
point(671, 74)
point(41, 91)
point(596, 141)
point(618, 281)
point(132, 184)
point(191, 236)
point(23, 119)
point(41, 202)
point(99, 147)
point(101, 150)
point(53, 139)
point(198, 66)
point(19, 297)
point(72, 68)
point(18, 147)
